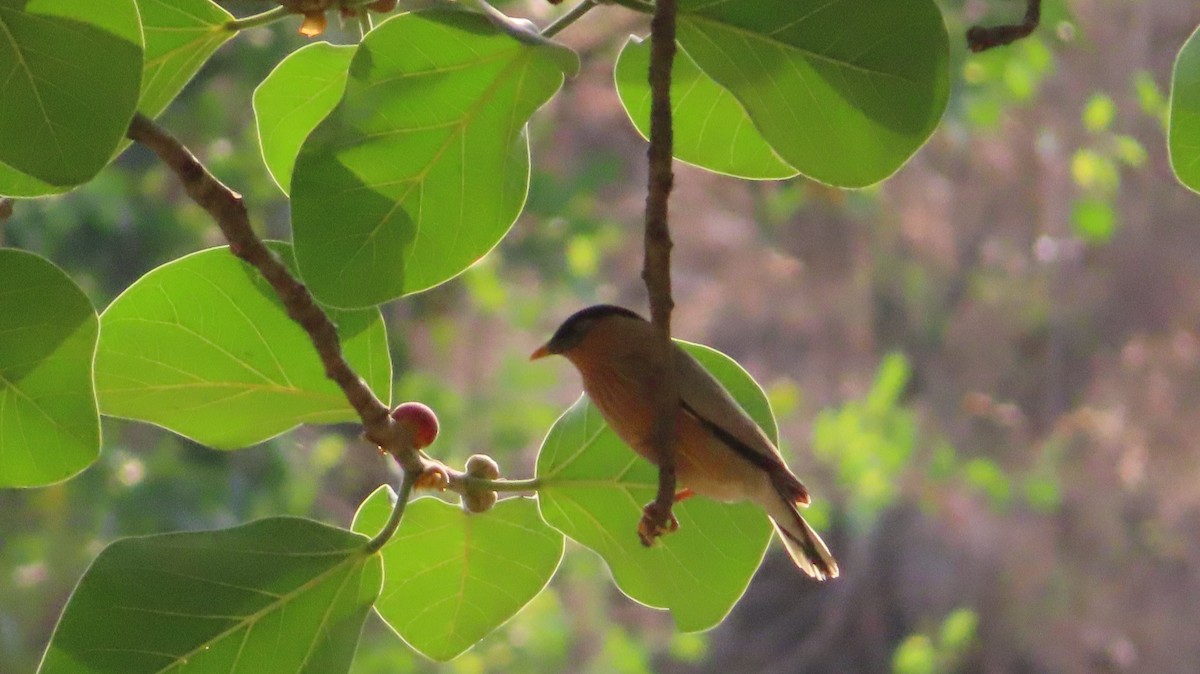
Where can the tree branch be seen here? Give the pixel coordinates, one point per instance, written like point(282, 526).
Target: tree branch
point(980, 38)
point(228, 210)
point(656, 269)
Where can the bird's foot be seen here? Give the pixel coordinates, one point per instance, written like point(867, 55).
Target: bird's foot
point(656, 522)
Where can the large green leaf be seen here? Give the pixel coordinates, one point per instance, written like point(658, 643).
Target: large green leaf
point(1183, 134)
point(712, 130)
point(180, 36)
point(17, 184)
point(293, 100)
point(71, 74)
point(844, 91)
point(594, 487)
point(202, 346)
point(49, 427)
point(452, 577)
point(424, 165)
point(276, 596)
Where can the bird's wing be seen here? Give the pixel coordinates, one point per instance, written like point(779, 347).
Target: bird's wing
point(705, 398)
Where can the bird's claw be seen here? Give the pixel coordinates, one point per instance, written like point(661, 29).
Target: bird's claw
point(433, 477)
point(655, 523)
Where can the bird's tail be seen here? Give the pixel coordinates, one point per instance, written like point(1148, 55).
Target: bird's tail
point(806, 548)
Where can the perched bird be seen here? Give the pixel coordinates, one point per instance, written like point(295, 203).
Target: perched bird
point(719, 453)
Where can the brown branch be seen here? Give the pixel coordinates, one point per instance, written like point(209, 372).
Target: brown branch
point(229, 211)
point(656, 269)
point(980, 38)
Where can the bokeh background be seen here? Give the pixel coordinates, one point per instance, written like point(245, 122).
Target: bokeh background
point(987, 368)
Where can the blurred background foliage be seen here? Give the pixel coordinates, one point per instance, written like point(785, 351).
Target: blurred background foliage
point(986, 368)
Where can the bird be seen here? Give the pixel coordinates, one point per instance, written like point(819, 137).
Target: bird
point(720, 452)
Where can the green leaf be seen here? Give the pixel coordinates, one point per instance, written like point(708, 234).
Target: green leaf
point(71, 76)
point(293, 100)
point(712, 130)
point(844, 91)
point(49, 427)
point(278, 595)
point(1183, 127)
point(593, 490)
point(180, 36)
point(452, 577)
point(202, 346)
point(424, 165)
point(16, 184)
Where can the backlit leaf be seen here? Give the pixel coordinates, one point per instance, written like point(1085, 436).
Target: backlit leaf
point(69, 78)
point(844, 91)
point(424, 165)
point(451, 577)
point(49, 427)
point(202, 346)
point(281, 595)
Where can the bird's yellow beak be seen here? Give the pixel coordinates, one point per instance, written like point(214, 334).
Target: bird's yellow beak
point(542, 352)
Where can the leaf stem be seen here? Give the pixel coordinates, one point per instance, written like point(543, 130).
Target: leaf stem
point(364, 23)
point(389, 529)
point(484, 484)
point(568, 18)
point(269, 16)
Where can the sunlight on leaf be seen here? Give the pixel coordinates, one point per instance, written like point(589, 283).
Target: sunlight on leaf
point(844, 91)
point(424, 165)
point(49, 427)
point(203, 346)
point(1183, 132)
point(711, 129)
point(69, 78)
point(451, 577)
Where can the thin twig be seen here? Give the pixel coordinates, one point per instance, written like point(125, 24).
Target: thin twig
point(228, 210)
point(980, 38)
point(656, 269)
point(569, 18)
point(389, 529)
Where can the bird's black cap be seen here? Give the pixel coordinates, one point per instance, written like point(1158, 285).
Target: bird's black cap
point(573, 329)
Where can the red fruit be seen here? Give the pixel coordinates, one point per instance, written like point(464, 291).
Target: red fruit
point(420, 421)
point(383, 6)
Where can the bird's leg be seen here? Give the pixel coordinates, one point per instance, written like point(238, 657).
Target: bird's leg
point(651, 526)
point(654, 524)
